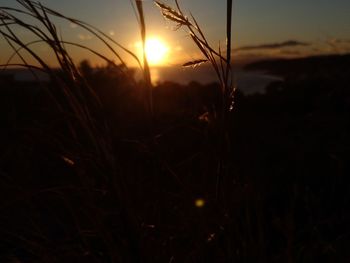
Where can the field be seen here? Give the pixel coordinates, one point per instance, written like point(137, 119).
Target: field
point(97, 166)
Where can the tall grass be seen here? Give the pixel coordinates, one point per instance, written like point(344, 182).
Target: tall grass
point(252, 215)
point(146, 69)
point(87, 146)
point(81, 99)
point(220, 64)
point(74, 87)
point(223, 70)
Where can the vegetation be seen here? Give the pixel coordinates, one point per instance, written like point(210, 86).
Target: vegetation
point(87, 174)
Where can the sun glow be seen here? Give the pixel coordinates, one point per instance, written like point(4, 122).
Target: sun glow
point(156, 51)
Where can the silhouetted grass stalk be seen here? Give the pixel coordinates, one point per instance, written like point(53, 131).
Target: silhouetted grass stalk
point(228, 80)
point(146, 68)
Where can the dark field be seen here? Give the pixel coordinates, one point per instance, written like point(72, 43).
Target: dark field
point(123, 186)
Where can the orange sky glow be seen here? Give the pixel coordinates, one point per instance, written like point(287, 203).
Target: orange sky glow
point(260, 30)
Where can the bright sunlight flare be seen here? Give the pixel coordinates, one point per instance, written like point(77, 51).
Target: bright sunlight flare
point(156, 51)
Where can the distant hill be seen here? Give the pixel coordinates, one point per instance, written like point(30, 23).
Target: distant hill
point(315, 65)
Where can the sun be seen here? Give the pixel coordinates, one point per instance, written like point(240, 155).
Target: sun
point(156, 51)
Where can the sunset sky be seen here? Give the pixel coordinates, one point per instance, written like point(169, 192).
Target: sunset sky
point(260, 27)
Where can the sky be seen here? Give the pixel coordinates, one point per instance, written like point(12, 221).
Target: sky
point(261, 28)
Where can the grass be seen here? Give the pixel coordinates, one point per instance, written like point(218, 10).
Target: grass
point(85, 142)
point(84, 139)
point(146, 69)
point(220, 64)
point(84, 180)
point(223, 70)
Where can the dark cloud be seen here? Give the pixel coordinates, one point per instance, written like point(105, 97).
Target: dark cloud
point(289, 43)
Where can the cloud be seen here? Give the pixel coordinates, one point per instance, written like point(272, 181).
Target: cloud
point(338, 45)
point(289, 43)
